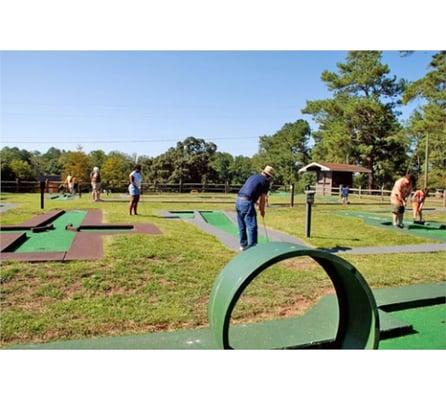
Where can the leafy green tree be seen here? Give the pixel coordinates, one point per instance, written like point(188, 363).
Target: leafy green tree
point(285, 151)
point(7, 155)
point(222, 164)
point(430, 119)
point(116, 169)
point(97, 158)
point(241, 169)
point(359, 123)
point(77, 163)
point(22, 169)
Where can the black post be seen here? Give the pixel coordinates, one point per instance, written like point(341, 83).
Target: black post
point(292, 195)
point(309, 203)
point(308, 220)
point(42, 194)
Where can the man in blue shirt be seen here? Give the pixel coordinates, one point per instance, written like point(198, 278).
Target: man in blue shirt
point(254, 190)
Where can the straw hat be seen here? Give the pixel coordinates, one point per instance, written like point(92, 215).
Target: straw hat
point(269, 171)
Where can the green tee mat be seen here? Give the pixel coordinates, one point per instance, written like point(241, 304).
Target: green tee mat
point(429, 329)
point(53, 240)
point(317, 326)
point(221, 221)
point(431, 230)
point(183, 214)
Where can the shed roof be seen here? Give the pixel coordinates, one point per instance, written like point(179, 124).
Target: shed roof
point(324, 166)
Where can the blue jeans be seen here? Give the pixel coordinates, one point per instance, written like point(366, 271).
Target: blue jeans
point(247, 222)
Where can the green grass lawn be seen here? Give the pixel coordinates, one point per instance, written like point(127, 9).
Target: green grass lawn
point(149, 283)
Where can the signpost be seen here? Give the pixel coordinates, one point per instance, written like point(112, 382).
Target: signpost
point(309, 202)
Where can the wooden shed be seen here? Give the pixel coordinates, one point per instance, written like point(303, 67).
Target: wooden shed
point(333, 175)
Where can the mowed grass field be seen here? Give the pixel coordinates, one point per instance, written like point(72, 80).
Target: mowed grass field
point(149, 283)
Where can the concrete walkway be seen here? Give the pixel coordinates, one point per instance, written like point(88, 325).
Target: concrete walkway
point(6, 206)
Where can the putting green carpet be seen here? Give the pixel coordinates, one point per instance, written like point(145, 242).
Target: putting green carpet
point(429, 324)
point(57, 239)
point(431, 230)
point(221, 221)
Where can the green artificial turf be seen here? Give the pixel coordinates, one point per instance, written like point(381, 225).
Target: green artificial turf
point(429, 324)
point(221, 221)
point(429, 230)
point(57, 239)
point(183, 214)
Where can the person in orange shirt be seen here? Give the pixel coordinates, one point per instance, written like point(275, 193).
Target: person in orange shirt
point(417, 204)
point(401, 190)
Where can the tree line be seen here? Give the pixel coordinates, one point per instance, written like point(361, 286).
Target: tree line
point(358, 124)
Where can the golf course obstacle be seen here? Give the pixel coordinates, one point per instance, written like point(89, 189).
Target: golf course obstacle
point(62, 236)
point(358, 326)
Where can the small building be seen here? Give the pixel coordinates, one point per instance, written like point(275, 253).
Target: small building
point(333, 175)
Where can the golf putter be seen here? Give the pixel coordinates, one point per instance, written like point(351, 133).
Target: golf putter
point(266, 231)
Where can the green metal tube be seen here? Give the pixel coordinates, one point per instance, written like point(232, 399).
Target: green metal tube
point(358, 326)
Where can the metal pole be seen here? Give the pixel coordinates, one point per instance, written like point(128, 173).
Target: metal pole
point(42, 194)
point(292, 195)
point(308, 219)
point(426, 159)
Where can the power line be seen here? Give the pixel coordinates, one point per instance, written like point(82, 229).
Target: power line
point(120, 141)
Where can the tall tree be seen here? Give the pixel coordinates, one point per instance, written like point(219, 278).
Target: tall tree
point(430, 119)
point(116, 169)
point(97, 158)
point(22, 169)
point(241, 169)
point(77, 163)
point(222, 166)
point(359, 123)
point(285, 150)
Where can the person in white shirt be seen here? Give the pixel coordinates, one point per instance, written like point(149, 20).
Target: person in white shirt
point(95, 177)
point(135, 179)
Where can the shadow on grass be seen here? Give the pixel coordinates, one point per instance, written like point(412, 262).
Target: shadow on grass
point(335, 249)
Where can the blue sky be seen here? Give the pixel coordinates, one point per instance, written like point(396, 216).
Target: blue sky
point(119, 99)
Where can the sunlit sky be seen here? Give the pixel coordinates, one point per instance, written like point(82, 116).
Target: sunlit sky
point(144, 102)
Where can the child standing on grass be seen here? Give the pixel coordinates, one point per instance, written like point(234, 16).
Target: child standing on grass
point(344, 194)
point(135, 179)
point(417, 204)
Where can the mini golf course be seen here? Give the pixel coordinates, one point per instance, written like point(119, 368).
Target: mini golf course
point(223, 225)
point(356, 317)
point(62, 236)
point(430, 230)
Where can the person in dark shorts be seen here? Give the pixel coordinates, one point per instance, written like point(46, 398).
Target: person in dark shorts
point(253, 191)
point(401, 190)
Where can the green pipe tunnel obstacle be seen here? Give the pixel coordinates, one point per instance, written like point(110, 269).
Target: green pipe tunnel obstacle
point(358, 326)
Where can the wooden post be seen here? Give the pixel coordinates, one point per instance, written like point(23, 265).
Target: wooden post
point(444, 197)
point(292, 195)
point(16, 185)
point(42, 193)
point(382, 193)
point(359, 192)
